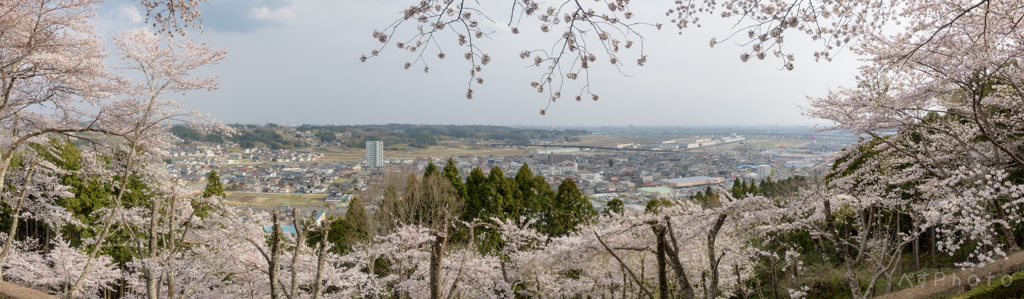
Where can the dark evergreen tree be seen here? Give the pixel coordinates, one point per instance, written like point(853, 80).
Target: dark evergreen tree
point(753, 189)
point(654, 206)
point(543, 204)
point(478, 191)
point(337, 235)
point(529, 191)
point(213, 186)
point(89, 196)
point(452, 173)
point(615, 206)
point(505, 195)
point(765, 188)
point(710, 197)
point(431, 170)
point(737, 188)
point(356, 223)
point(570, 208)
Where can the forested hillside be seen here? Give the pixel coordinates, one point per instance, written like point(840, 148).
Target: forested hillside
point(248, 136)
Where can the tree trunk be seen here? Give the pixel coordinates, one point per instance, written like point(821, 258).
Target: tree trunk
point(639, 281)
point(917, 253)
point(462, 266)
point(931, 230)
point(643, 279)
point(796, 271)
point(151, 279)
point(851, 271)
point(171, 240)
point(659, 231)
point(504, 271)
point(299, 238)
point(170, 286)
point(275, 250)
point(713, 291)
point(436, 252)
point(775, 279)
point(1010, 240)
point(321, 258)
point(686, 291)
point(899, 263)
point(625, 283)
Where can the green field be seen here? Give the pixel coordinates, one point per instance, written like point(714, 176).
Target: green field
point(273, 199)
point(338, 181)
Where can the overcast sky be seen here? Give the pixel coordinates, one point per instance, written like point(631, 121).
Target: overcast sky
point(297, 61)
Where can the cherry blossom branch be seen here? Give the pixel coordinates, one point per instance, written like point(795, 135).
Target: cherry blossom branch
point(16, 215)
point(462, 265)
point(623, 264)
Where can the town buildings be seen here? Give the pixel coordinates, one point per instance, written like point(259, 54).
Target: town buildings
point(639, 172)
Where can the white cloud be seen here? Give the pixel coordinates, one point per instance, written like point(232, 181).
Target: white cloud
point(281, 15)
point(499, 26)
point(130, 13)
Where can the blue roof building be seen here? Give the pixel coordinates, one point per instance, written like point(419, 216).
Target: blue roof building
point(284, 228)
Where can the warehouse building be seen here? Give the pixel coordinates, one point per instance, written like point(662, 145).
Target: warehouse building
point(694, 181)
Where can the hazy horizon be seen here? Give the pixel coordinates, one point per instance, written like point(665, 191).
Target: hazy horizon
point(298, 62)
point(566, 126)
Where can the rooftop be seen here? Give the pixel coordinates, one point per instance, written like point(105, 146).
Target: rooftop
point(687, 179)
point(284, 228)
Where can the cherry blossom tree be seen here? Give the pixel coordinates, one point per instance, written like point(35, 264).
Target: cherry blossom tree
point(165, 65)
point(59, 269)
point(51, 63)
point(51, 68)
point(861, 223)
point(948, 89)
point(38, 188)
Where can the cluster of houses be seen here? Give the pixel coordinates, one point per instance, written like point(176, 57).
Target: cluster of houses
point(216, 155)
point(293, 172)
point(305, 178)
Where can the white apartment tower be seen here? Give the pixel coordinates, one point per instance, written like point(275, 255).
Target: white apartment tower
point(764, 171)
point(375, 154)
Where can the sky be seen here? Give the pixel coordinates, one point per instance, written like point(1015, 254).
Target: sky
point(297, 62)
